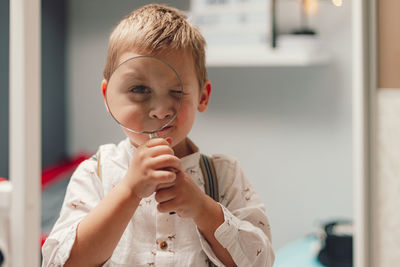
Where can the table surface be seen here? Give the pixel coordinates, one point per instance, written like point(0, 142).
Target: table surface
point(299, 253)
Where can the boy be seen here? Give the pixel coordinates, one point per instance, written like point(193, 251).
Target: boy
point(117, 207)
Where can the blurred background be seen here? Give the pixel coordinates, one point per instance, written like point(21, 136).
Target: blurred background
point(287, 120)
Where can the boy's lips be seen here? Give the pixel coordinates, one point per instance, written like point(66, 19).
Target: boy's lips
point(167, 128)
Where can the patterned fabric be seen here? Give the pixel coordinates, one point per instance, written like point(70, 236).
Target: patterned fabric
point(158, 239)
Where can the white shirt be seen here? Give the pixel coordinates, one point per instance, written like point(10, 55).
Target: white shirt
point(159, 239)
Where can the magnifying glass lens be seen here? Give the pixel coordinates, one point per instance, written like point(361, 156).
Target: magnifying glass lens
point(144, 94)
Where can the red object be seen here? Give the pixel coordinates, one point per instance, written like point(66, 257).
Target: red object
point(43, 239)
point(57, 172)
point(54, 173)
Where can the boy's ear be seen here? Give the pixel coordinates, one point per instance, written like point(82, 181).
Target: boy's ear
point(103, 90)
point(204, 97)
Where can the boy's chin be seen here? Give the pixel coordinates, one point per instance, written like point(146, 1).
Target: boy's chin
point(138, 140)
point(134, 142)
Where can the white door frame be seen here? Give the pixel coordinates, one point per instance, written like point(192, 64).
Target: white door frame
point(364, 109)
point(25, 126)
point(25, 132)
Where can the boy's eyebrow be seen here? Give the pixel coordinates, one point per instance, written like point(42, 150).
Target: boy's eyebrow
point(128, 75)
point(177, 85)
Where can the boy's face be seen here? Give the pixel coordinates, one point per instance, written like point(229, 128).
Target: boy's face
point(193, 99)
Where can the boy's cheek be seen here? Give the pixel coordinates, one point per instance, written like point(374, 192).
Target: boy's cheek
point(187, 114)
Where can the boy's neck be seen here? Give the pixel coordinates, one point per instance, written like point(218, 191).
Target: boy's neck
point(185, 148)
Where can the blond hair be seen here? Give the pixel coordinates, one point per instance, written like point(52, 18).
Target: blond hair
point(156, 29)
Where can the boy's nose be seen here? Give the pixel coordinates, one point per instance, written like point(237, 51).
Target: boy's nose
point(161, 113)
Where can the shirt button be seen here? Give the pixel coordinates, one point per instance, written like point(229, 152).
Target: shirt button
point(163, 245)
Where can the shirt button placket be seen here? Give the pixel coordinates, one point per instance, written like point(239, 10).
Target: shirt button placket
point(165, 227)
point(164, 245)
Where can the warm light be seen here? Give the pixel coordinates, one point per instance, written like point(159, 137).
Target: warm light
point(310, 6)
point(337, 2)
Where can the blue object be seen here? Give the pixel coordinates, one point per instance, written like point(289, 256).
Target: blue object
point(298, 253)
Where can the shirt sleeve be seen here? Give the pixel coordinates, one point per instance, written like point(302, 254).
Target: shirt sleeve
point(245, 232)
point(84, 192)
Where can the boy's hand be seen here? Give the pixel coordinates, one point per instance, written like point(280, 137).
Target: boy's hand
point(151, 166)
point(184, 197)
point(189, 201)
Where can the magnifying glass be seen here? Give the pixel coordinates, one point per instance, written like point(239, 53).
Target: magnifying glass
point(144, 95)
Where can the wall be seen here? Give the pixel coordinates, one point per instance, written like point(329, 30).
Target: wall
point(4, 95)
point(290, 127)
point(53, 83)
point(386, 195)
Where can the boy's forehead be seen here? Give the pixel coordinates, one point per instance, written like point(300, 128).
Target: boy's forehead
point(181, 61)
point(138, 74)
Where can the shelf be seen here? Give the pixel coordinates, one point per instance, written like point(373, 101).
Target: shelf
point(263, 57)
point(291, 51)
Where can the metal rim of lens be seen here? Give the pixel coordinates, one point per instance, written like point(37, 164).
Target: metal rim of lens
point(172, 118)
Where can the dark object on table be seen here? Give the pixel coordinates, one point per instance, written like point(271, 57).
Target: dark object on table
point(1, 258)
point(338, 248)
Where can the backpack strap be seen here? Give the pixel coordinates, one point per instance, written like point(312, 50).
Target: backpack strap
point(210, 183)
point(210, 177)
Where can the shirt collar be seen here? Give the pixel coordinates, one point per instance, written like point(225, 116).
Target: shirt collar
point(192, 159)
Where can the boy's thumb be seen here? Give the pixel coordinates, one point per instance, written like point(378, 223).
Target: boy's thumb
point(169, 140)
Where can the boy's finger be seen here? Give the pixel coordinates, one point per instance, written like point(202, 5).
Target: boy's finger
point(156, 142)
point(165, 194)
point(160, 150)
point(163, 176)
point(166, 161)
point(167, 206)
point(164, 185)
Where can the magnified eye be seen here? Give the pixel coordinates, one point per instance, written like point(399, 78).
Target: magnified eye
point(176, 93)
point(140, 89)
point(139, 93)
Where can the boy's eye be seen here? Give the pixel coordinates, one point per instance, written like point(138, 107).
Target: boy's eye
point(176, 93)
point(140, 89)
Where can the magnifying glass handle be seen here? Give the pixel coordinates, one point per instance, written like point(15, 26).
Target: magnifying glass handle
point(152, 136)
